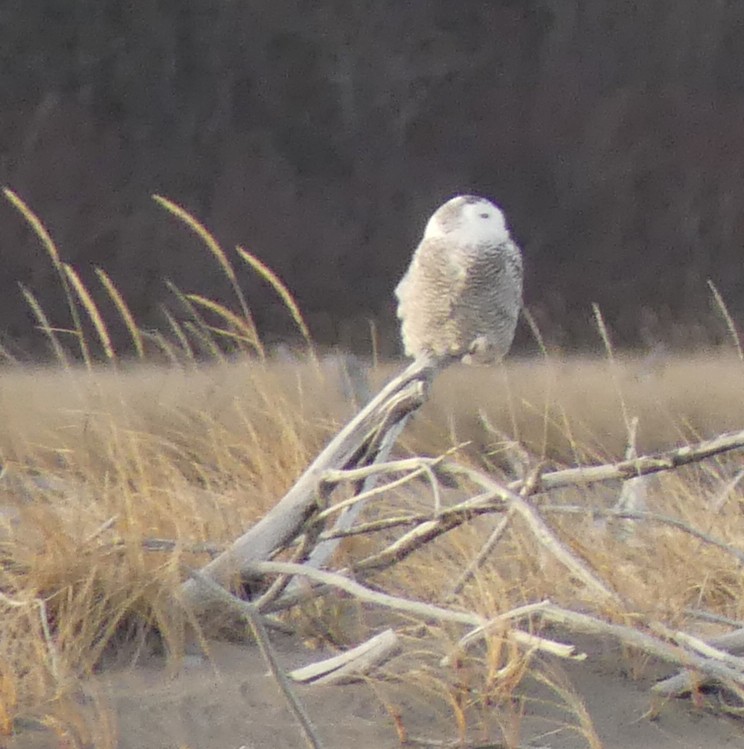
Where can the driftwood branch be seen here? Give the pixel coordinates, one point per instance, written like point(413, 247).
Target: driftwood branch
point(543, 533)
point(687, 681)
point(352, 664)
point(252, 617)
point(348, 449)
point(641, 466)
point(336, 580)
point(499, 622)
point(678, 654)
point(357, 456)
point(352, 448)
point(423, 610)
point(651, 517)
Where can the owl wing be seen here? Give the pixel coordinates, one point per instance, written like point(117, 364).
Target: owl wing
point(427, 296)
point(435, 279)
point(488, 309)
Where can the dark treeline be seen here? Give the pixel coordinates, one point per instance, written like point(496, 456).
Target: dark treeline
point(320, 135)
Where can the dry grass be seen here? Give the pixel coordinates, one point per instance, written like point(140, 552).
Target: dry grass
point(98, 460)
point(570, 410)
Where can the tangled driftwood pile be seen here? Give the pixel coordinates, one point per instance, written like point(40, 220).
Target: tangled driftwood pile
point(358, 457)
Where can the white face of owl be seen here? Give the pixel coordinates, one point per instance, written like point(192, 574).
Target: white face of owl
point(469, 220)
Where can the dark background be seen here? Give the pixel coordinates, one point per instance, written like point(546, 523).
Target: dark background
point(321, 134)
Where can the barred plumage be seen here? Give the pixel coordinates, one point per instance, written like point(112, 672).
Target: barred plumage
point(460, 297)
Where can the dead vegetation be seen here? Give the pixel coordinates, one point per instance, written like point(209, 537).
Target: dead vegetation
point(487, 556)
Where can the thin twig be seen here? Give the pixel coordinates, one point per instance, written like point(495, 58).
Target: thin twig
point(249, 612)
point(376, 526)
point(652, 517)
point(483, 504)
point(367, 473)
point(414, 465)
point(708, 616)
point(530, 478)
point(544, 534)
point(514, 615)
point(412, 541)
point(485, 552)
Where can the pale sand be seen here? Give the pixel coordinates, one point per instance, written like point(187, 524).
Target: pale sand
point(232, 702)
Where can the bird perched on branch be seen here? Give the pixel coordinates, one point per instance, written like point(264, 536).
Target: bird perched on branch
point(461, 295)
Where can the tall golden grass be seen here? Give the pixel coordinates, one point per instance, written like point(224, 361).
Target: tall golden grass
point(100, 457)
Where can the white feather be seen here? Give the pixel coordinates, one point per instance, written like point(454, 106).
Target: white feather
point(461, 295)
point(479, 222)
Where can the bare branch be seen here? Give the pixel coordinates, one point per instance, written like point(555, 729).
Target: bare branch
point(522, 612)
point(676, 654)
point(351, 664)
point(530, 478)
point(544, 534)
point(650, 517)
point(641, 466)
point(285, 520)
point(249, 612)
point(414, 466)
point(259, 569)
point(477, 562)
point(686, 681)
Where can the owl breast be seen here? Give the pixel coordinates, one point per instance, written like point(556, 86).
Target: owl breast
point(460, 302)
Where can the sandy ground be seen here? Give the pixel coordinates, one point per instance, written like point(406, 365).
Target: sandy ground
point(230, 702)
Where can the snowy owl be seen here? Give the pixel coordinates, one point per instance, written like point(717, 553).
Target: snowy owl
point(461, 295)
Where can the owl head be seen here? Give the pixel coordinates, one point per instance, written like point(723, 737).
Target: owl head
point(469, 220)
